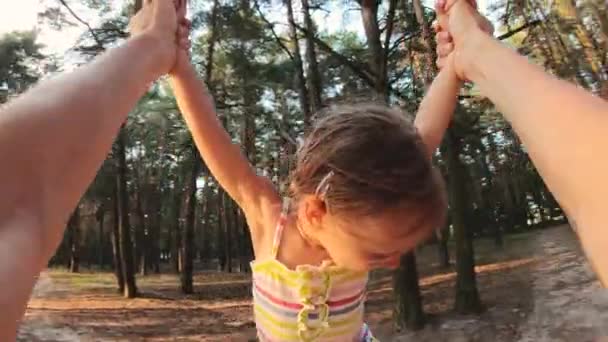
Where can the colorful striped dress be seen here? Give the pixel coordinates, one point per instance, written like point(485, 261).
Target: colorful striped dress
point(310, 303)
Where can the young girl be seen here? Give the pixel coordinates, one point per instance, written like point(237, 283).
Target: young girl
point(363, 192)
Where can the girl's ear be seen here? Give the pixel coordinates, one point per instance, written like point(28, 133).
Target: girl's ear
point(314, 209)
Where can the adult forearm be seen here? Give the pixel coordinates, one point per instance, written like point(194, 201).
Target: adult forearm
point(562, 127)
point(54, 138)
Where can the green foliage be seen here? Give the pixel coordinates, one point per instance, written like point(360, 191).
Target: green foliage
point(19, 56)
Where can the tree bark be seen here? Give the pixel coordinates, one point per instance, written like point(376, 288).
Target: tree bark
point(221, 226)
point(188, 236)
point(206, 221)
point(407, 313)
point(126, 244)
point(74, 226)
point(120, 280)
point(314, 77)
point(226, 218)
point(297, 60)
point(369, 15)
point(442, 248)
point(177, 236)
point(100, 218)
point(467, 296)
point(143, 231)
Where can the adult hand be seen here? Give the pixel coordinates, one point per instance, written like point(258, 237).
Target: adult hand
point(458, 23)
point(160, 20)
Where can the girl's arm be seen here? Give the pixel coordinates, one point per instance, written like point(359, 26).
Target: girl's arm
point(564, 129)
point(224, 159)
point(437, 108)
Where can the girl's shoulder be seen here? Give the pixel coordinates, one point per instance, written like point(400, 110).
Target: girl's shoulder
point(263, 216)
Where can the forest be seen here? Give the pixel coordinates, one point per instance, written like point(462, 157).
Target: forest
point(154, 214)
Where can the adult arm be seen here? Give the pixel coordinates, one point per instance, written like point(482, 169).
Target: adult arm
point(562, 126)
point(53, 140)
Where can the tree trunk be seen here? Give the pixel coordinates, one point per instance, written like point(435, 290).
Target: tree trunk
point(188, 236)
point(177, 236)
point(498, 237)
point(238, 242)
point(467, 297)
point(297, 60)
point(407, 313)
point(227, 204)
point(120, 280)
point(74, 226)
point(314, 77)
point(99, 217)
point(442, 247)
point(206, 221)
point(221, 226)
point(143, 232)
point(369, 14)
point(247, 252)
point(126, 244)
point(154, 226)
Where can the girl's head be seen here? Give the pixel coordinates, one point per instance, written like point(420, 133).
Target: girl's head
point(365, 188)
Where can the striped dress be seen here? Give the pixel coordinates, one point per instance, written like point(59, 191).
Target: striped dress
point(310, 303)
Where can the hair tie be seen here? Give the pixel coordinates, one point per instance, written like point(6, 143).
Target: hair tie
point(324, 185)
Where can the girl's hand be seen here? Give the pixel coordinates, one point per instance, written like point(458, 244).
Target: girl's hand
point(183, 63)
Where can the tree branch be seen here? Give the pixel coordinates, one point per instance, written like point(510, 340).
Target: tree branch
point(361, 71)
point(403, 39)
point(517, 30)
point(91, 30)
point(271, 27)
point(390, 20)
point(276, 124)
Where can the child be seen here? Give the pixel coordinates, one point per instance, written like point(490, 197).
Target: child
point(363, 192)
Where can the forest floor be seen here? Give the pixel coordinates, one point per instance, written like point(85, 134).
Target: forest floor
point(539, 287)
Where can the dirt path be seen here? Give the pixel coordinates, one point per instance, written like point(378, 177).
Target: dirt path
point(539, 288)
point(569, 304)
point(37, 328)
point(566, 302)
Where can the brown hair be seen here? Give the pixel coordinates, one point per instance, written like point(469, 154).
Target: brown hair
point(365, 159)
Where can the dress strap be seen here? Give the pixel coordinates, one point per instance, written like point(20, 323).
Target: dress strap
point(278, 233)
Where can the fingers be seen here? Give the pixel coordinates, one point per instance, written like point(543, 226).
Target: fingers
point(444, 43)
point(181, 8)
point(183, 34)
point(184, 44)
point(443, 50)
point(443, 37)
point(185, 22)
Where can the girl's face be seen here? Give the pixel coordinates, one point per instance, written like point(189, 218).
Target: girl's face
point(368, 242)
